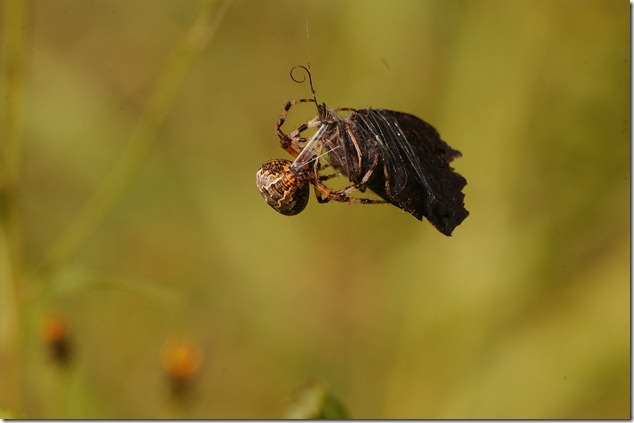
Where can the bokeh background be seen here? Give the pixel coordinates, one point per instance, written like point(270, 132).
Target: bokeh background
point(131, 220)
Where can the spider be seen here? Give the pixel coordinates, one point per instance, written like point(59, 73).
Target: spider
point(396, 155)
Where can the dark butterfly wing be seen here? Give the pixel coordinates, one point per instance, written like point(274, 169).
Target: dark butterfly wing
point(413, 172)
point(445, 207)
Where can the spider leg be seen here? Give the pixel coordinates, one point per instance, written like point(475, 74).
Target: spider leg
point(360, 186)
point(317, 179)
point(343, 195)
point(346, 109)
point(292, 142)
point(318, 195)
point(325, 194)
point(320, 166)
point(332, 175)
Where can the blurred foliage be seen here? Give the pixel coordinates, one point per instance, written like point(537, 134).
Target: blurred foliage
point(315, 401)
point(523, 313)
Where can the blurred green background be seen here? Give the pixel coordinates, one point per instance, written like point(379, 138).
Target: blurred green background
point(523, 313)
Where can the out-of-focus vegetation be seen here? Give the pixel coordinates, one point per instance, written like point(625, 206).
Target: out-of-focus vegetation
point(131, 134)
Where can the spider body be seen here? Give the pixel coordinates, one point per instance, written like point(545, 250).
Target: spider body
point(284, 189)
point(396, 155)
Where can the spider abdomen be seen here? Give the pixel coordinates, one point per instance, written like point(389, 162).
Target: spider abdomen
point(283, 188)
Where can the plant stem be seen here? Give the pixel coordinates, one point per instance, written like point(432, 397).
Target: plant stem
point(143, 135)
point(12, 286)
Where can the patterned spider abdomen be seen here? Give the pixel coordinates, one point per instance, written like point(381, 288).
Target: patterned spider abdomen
point(283, 188)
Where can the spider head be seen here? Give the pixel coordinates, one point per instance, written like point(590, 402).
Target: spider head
point(283, 188)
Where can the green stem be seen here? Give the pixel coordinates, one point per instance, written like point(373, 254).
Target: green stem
point(14, 23)
point(143, 135)
point(12, 286)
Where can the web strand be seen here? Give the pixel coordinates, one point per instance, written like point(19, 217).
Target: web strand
point(307, 34)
